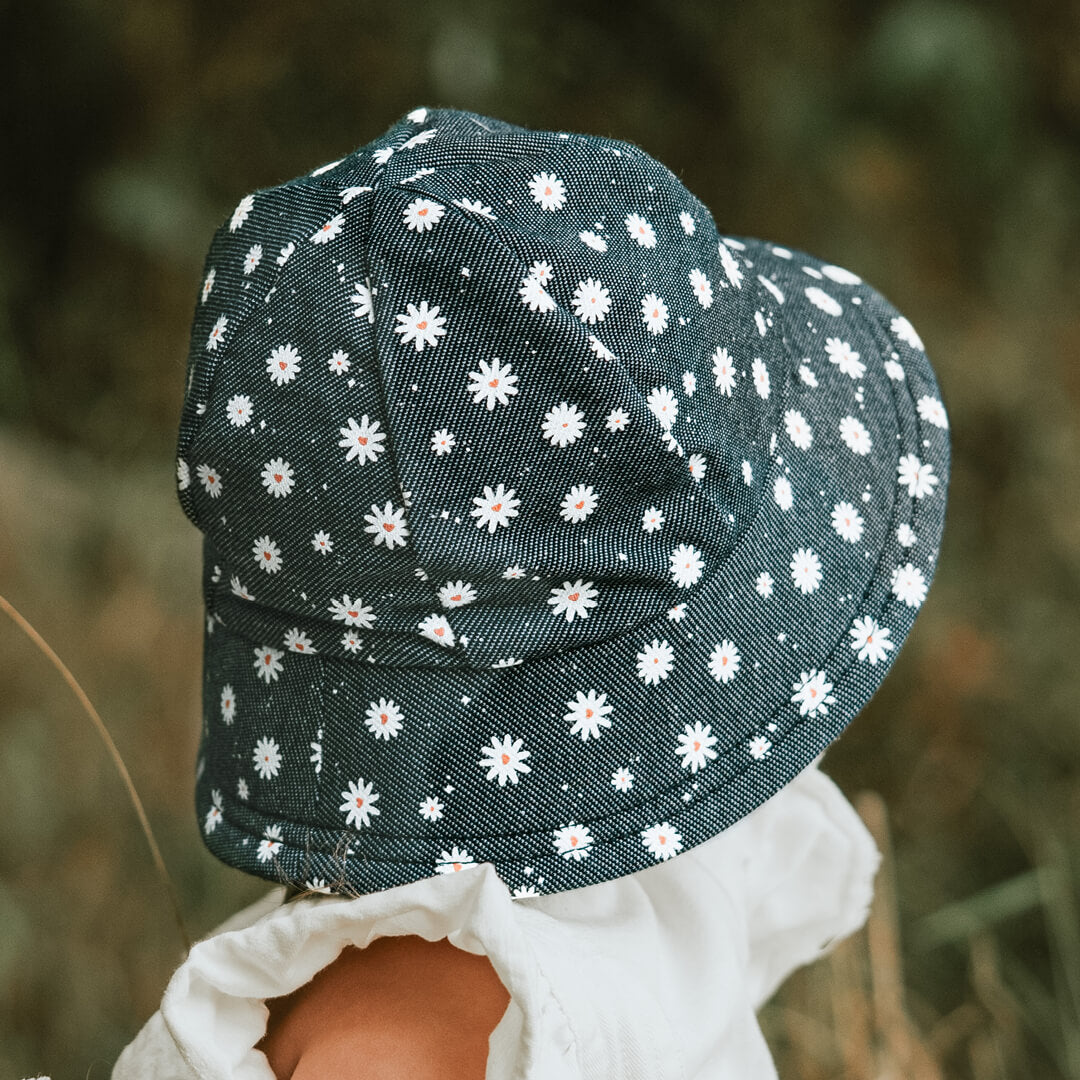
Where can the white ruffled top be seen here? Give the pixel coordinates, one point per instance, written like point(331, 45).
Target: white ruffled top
point(652, 976)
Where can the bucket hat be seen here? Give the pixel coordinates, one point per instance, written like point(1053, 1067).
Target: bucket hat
point(544, 525)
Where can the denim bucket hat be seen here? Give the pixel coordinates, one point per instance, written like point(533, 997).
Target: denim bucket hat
point(545, 525)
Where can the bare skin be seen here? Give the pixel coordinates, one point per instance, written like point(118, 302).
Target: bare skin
point(403, 1006)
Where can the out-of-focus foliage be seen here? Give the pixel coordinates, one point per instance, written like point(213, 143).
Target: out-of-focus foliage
point(933, 146)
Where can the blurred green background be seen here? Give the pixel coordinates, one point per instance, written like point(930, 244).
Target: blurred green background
point(931, 146)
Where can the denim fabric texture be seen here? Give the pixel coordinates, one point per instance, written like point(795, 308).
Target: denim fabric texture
point(544, 525)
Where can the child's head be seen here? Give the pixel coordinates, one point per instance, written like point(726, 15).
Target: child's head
point(544, 525)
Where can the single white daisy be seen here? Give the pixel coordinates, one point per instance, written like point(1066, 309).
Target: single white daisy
point(548, 190)
point(805, 571)
point(782, 493)
point(686, 565)
point(855, 435)
point(270, 844)
point(210, 480)
point(475, 207)
point(916, 475)
point(807, 375)
point(640, 230)
point(504, 759)
point(687, 222)
point(238, 410)
point(494, 507)
point(697, 464)
point(600, 350)
point(909, 585)
point(431, 809)
point(593, 240)
point(328, 231)
point(492, 383)
point(217, 333)
point(747, 473)
point(723, 368)
point(760, 374)
point(563, 424)
point(252, 259)
point(903, 329)
point(456, 594)
point(821, 299)
point(238, 589)
point(283, 365)
point(267, 554)
point(870, 640)
point(267, 758)
point(208, 285)
point(213, 815)
point(587, 714)
point(932, 411)
point(662, 841)
point(731, 267)
point(523, 892)
point(759, 747)
point(318, 885)
point(316, 755)
point(387, 526)
point(534, 296)
point(798, 429)
point(363, 441)
point(228, 704)
point(578, 503)
point(845, 358)
point(339, 362)
point(278, 478)
point(652, 519)
point(894, 370)
point(183, 474)
point(352, 612)
point(420, 325)
point(422, 215)
point(724, 661)
point(241, 213)
point(905, 534)
point(363, 299)
point(268, 664)
point(848, 522)
point(654, 661)
point(812, 693)
point(321, 542)
point(242, 789)
point(453, 861)
point(622, 779)
point(420, 138)
point(591, 301)
point(358, 805)
point(702, 288)
point(695, 746)
point(442, 442)
point(436, 627)
point(617, 420)
point(383, 719)
point(663, 405)
point(574, 600)
point(573, 841)
point(542, 271)
point(284, 253)
point(654, 312)
point(382, 155)
point(764, 584)
point(689, 381)
point(351, 643)
point(297, 641)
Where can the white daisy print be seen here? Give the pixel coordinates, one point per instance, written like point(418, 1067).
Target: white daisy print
point(339, 362)
point(241, 213)
point(591, 301)
point(840, 275)
point(655, 313)
point(475, 207)
point(848, 522)
point(217, 333)
point(238, 589)
point(573, 841)
point(492, 383)
point(845, 358)
point(316, 755)
point(504, 759)
point(593, 240)
point(210, 480)
point(534, 296)
point(812, 693)
point(622, 779)
point(387, 526)
point(640, 230)
point(284, 253)
point(277, 477)
point(548, 190)
point(759, 747)
point(494, 507)
point(578, 503)
point(352, 612)
point(362, 298)
point(213, 815)
point(782, 493)
point(270, 844)
point(652, 519)
point(662, 841)
point(855, 435)
point(663, 405)
point(228, 704)
point(805, 571)
point(807, 375)
point(617, 420)
point(587, 714)
point(363, 441)
point(454, 861)
point(252, 259)
point(894, 370)
point(654, 661)
point(436, 628)
point(932, 411)
point(267, 554)
point(724, 661)
point(916, 475)
point(327, 232)
point(183, 474)
point(702, 288)
point(687, 223)
point(442, 442)
point(283, 365)
point(909, 585)
point(723, 367)
point(903, 329)
point(695, 746)
point(208, 285)
point(870, 641)
point(267, 758)
point(420, 325)
point(238, 409)
point(456, 594)
point(686, 565)
point(359, 803)
point(697, 464)
point(431, 809)
point(905, 535)
point(523, 892)
point(542, 271)
point(563, 424)
point(760, 374)
point(798, 429)
point(689, 381)
point(383, 719)
point(821, 299)
point(351, 643)
point(421, 215)
point(731, 267)
point(268, 663)
point(573, 601)
point(764, 584)
point(297, 641)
